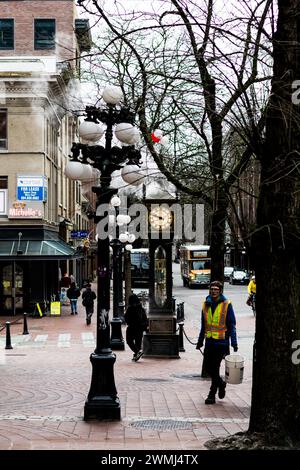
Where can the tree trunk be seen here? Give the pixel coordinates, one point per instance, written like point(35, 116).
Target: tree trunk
point(217, 247)
point(275, 409)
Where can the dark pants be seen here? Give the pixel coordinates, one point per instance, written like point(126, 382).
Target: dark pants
point(134, 339)
point(213, 356)
point(89, 310)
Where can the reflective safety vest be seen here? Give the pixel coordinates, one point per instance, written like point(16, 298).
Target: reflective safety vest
point(215, 323)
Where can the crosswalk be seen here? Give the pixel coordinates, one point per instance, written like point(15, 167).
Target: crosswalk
point(62, 340)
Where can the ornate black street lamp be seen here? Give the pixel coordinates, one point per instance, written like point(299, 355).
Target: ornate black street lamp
point(102, 401)
point(117, 244)
point(116, 340)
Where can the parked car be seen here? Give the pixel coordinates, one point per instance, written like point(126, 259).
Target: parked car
point(227, 271)
point(239, 276)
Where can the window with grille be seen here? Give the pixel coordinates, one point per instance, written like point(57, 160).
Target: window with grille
point(44, 34)
point(6, 33)
point(3, 129)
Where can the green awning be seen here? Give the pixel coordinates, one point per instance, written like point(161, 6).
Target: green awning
point(36, 249)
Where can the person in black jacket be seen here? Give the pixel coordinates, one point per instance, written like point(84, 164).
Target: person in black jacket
point(73, 293)
point(88, 297)
point(137, 323)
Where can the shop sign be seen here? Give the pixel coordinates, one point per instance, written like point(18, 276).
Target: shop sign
point(22, 210)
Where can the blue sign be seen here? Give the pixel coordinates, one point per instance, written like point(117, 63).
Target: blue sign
point(79, 234)
point(30, 193)
point(31, 188)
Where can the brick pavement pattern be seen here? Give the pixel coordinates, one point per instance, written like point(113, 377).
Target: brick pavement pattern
point(46, 377)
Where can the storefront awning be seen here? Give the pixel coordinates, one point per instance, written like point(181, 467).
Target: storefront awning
point(36, 250)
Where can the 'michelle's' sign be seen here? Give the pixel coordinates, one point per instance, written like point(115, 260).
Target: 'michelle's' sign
point(22, 210)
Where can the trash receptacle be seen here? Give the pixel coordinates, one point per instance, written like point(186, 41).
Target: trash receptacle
point(234, 369)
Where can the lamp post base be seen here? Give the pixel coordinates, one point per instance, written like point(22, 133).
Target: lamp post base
point(116, 339)
point(102, 401)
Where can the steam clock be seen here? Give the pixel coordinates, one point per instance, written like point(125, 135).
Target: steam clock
point(161, 340)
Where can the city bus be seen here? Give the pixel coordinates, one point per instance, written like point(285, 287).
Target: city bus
point(139, 267)
point(195, 264)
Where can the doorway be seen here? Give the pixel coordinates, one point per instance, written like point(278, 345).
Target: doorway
point(12, 288)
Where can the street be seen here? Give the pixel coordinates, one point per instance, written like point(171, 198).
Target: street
point(193, 299)
point(45, 379)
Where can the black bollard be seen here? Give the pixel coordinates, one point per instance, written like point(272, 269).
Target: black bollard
point(181, 346)
point(180, 312)
point(25, 329)
point(8, 340)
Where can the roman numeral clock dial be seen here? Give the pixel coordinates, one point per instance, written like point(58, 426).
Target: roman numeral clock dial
point(160, 218)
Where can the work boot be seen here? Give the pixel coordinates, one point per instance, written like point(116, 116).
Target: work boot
point(222, 391)
point(210, 400)
point(138, 355)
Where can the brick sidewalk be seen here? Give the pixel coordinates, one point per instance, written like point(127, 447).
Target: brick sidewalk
point(46, 377)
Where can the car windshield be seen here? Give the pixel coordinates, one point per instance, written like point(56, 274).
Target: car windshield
point(228, 269)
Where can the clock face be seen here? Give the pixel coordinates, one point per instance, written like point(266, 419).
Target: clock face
point(160, 218)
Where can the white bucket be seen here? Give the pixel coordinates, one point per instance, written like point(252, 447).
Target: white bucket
point(234, 369)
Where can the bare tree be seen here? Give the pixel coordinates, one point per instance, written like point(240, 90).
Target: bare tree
point(275, 407)
point(275, 411)
point(193, 71)
point(211, 95)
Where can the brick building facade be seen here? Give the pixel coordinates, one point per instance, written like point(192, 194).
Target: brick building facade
point(41, 42)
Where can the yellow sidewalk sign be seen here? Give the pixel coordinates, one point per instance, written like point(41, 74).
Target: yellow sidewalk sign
point(54, 308)
point(39, 309)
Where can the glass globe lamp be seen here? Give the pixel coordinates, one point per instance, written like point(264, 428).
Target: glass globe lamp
point(123, 237)
point(74, 170)
point(126, 133)
point(115, 201)
point(132, 174)
point(112, 94)
point(87, 173)
point(90, 131)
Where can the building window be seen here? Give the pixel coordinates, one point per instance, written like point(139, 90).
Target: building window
point(3, 195)
point(3, 129)
point(44, 34)
point(6, 34)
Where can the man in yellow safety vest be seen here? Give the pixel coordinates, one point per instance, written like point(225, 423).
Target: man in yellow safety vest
point(217, 326)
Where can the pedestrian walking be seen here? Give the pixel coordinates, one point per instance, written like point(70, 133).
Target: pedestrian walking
point(65, 281)
point(73, 293)
point(137, 323)
point(251, 290)
point(217, 326)
point(64, 285)
point(88, 297)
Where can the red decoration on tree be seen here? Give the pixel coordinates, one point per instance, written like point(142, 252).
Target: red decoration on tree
point(154, 138)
